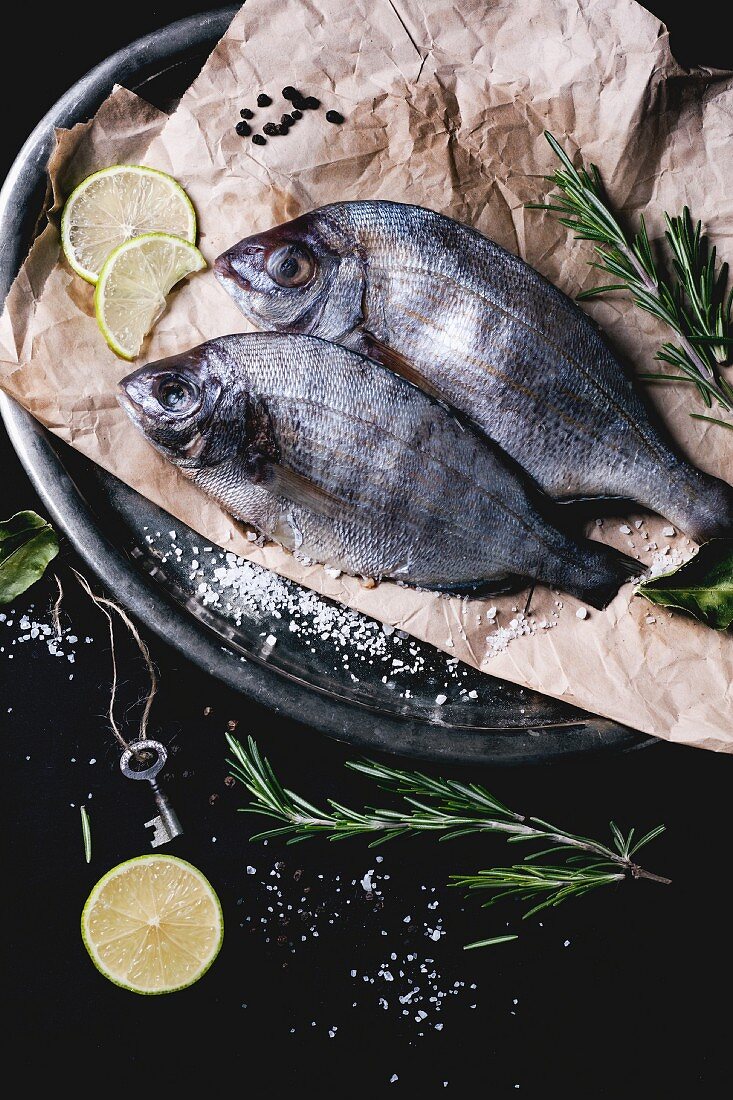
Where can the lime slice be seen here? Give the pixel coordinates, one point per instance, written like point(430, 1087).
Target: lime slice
point(153, 924)
point(117, 203)
point(133, 284)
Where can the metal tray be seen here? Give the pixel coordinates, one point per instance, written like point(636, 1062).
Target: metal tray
point(372, 705)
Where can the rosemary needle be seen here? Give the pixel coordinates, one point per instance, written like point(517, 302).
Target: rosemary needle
point(489, 942)
point(86, 833)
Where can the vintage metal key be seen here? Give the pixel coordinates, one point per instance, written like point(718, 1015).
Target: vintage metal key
point(166, 825)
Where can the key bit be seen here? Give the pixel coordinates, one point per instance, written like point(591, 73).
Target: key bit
point(143, 760)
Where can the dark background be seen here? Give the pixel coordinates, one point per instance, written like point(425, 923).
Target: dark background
point(636, 1004)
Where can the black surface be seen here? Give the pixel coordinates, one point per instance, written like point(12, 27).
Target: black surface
point(636, 1005)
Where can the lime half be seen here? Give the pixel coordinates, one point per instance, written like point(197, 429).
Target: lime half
point(153, 924)
point(131, 291)
point(116, 204)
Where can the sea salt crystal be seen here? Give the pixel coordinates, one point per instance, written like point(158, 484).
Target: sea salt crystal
point(491, 613)
point(581, 613)
point(668, 532)
point(440, 699)
point(625, 529)
point(650, 619)
point(637, 524)
point(473, 695)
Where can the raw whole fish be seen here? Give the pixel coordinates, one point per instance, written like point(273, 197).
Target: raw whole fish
point(473, 324)
point(349, 464)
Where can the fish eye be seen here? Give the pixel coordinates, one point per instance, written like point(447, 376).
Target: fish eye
point(176, 394)
point(290, 265)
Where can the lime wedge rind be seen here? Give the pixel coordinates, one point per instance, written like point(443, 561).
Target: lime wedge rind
point(139, 295)
point(116, 204)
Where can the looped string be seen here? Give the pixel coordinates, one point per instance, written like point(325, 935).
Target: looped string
point(106, 606)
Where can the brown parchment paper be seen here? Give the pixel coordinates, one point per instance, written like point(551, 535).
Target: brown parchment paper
point(446, 102)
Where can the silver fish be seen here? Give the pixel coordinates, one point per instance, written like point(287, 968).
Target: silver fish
point(473, 324)
point(345, 462)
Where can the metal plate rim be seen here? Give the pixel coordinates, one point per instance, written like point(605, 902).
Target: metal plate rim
point(71, 513)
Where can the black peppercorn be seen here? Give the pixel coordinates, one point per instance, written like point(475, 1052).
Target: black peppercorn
point(246, 113)
point(263, 100)
point(243, 129)
point(295, 115)
point(291, 93)
point(311, 103)
point(258, 139)
point(271, 129)
point(287, 120)
point(334, 117)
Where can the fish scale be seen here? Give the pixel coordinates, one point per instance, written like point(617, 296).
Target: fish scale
point(349, 464)
point(469, 322)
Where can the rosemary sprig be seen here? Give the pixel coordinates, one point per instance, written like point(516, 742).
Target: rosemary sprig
point(694, 304)
point(453, 809)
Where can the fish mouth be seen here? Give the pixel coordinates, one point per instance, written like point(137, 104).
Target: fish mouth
point(225, 270)
point(132, 407)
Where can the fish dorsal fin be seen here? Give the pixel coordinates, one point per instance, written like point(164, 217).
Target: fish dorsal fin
point(397, 363)
point(283, 482)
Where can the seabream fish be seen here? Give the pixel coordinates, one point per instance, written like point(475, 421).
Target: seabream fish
point(347, 463)
point(446, 307)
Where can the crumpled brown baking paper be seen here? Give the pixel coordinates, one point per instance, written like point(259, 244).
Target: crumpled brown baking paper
point(445, 104)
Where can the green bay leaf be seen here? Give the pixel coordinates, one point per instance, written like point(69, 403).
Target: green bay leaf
point(702, 586)
point(27, 544)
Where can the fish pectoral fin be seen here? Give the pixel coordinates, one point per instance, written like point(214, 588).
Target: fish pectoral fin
point(394, 361)
point(282, 482)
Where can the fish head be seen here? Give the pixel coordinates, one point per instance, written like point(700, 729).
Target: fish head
point(306, 276)
point(177, 403)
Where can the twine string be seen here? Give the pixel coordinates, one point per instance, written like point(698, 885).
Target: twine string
point(107, 607)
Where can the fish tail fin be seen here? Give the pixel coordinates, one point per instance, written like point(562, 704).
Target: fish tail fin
point(701, 507)
point(606, 569)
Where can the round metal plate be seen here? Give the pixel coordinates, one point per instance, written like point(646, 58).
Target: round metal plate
point(361, 696)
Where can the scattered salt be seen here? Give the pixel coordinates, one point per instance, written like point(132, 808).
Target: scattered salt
point(581, 613)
